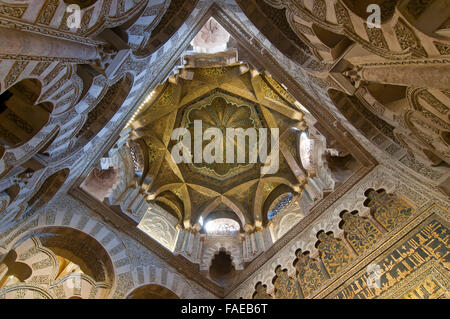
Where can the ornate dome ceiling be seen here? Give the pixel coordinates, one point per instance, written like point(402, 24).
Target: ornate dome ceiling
point(221, 113)
point(233, 96)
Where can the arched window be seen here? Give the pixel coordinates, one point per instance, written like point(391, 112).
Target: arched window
point(20, 118)
point(280, 204)
point(138, 156)
point(279, 198)
point(222, 226)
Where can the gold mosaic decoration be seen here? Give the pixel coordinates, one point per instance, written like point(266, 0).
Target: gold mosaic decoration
point(222, 97)
point(359, 232)
point(388, 210)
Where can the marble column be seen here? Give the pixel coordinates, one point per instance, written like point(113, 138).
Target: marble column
point(17, 42)
point(431, 75)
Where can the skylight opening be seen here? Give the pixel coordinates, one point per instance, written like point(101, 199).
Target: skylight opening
point(212, 38)
point(222, 226)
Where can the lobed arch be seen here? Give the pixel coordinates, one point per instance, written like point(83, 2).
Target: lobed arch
point(44, 150)
point(99, 15)
point(27, 126)
point(26, 291)
point(69, 219)
point(125, 26)
point(46, 191)
point(24, 200)
point(338, 18)
point(429, 120)
point(104, 111)
point(229, 247)
point(70, 243)
point(9, 263)
point(8, 196)
point(89, 78)
point(222, 267)
point(368, 118)
point(63, 86)
point(433, 139)
point(59, 257)
point(358, 201)
point(260, 291)
point(273, 23)
point(93, 87)
point(412, 120)
point(20, 117)
point(174, 17)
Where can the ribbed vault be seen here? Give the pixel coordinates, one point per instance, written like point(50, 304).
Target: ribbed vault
point(231, 96)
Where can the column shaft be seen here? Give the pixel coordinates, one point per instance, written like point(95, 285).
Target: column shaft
point(17, 42)
point(426, 75)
